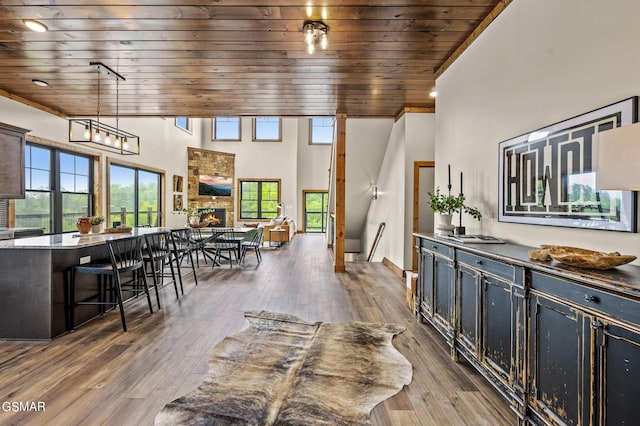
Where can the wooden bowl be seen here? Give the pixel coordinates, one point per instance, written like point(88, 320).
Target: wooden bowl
point(589, 259)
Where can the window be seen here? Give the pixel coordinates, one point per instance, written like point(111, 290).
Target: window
point(58, 190)
point(259, 198)
point(136, 193)
point(267, 129)
point(315, 211)
point(184, 123)
point(225, 129)
point(321, 130)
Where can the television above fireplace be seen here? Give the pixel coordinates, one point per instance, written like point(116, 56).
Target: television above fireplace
point(215, 186)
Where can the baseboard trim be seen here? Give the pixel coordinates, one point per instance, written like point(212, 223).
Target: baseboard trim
point(393, 267)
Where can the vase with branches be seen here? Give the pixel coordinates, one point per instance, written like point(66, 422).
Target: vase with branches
point(446, 205)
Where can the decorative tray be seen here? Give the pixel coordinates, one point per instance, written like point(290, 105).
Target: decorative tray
point(580, 258)
point(117, 230)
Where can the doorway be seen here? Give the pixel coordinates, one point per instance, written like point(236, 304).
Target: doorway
point(423, 182)
point(315, 211)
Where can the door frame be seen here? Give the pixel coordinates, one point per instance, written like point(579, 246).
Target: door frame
point(417, 165)
point(304, 208)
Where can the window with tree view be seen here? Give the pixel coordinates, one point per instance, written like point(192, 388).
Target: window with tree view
point(259, 199)
point(315, 211)
point(136, 193)
point(58, 189)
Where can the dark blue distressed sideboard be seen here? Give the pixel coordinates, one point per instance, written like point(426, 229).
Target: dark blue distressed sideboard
point(562, 344)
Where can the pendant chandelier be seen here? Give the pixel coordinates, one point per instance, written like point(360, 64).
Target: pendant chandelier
point(98, 134)
point(315, 32)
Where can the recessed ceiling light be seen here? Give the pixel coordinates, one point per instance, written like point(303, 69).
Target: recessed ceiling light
point(34, 25)
point(40, 83)
point(433, 94)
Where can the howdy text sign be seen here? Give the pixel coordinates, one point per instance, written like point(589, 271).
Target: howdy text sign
point(549, 176)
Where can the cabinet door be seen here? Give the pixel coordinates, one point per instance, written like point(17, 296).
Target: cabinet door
point(498, 333)
point(619, 384)
point(443, 291)
point(426, 283)
point(12, 142)
point(467, 308)
point(559, 362)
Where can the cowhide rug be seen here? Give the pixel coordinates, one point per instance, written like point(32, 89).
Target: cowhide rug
point(285, 371)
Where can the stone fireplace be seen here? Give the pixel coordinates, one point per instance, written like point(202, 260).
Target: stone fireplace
point(212, 163)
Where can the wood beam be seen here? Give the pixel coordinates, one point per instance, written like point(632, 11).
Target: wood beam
point(341, 157)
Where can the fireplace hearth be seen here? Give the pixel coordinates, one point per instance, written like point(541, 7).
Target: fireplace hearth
point(215, 218)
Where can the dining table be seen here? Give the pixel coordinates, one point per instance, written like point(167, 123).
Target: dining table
point(204, 235)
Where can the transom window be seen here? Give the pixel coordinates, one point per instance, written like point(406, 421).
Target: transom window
point(259, 198)
point(267, 129)
point(58, 189)
point(321, 130)
point(225, 129)
point(184, 123)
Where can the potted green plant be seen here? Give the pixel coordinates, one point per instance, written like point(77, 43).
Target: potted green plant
point(96, 221)
point(447, 205)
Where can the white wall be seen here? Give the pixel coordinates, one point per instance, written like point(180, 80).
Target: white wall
point(366, 141)
point(420, 146)
point(538, 63)
point(389, 207)
point(164, 147)
point(298, 164)
point(411, 139)
point(272, 160)
point(314, 162)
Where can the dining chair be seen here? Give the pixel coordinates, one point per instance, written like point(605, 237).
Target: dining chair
point(224, 241)
point(253, 241)
point(125, 256)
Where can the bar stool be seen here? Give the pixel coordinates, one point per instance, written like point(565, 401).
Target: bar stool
point(157, 254)
point(182, 247)
point(125, 255)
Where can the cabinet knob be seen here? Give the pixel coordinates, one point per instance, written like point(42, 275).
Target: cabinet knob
point(590, 298)
point(478, 262)
point(596, 324)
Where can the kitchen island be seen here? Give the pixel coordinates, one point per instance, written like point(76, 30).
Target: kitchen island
point(33, 277)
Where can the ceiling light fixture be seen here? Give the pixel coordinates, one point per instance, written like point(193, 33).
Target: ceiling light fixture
point(433, 94)
point(315, 32)
point(99, 135)
point(40, 83)
point(36, 26)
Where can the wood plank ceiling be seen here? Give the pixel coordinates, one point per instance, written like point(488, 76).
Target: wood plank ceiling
point(204, 58)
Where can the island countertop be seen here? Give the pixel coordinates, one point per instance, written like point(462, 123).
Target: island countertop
point(34, 274)
point(73, 240)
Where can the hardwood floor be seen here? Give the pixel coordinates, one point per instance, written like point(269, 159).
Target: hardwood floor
point(101, 375)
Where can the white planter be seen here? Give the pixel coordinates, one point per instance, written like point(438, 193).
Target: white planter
point(444, 225)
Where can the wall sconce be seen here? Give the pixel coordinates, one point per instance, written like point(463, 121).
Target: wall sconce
point(374, 192)
point(315, 32)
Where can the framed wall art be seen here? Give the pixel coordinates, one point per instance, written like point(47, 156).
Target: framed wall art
point(548, 176)
point(177, 202)
point(177, 183)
